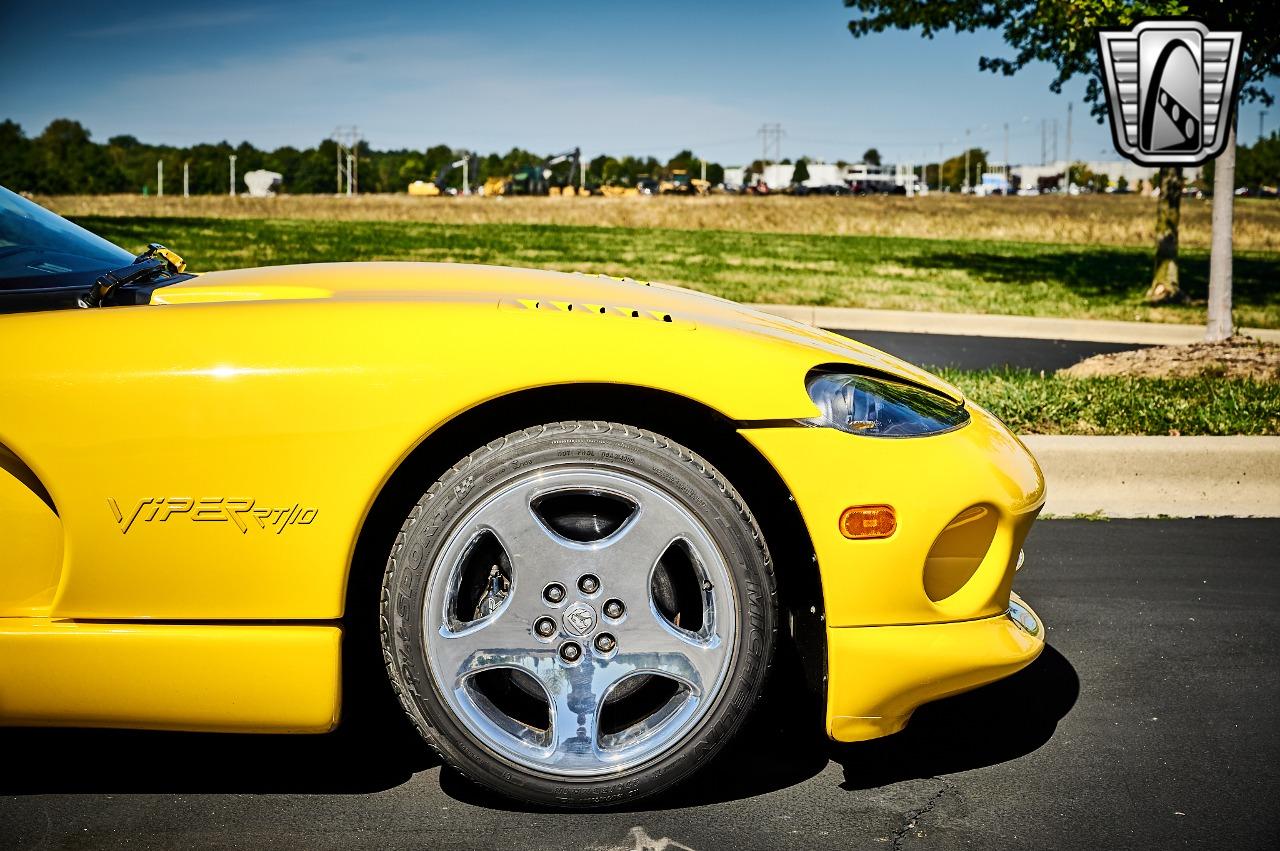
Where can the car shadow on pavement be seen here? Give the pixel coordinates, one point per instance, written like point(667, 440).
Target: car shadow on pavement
point(783, 743)
point(994, 724)
point(356, 759)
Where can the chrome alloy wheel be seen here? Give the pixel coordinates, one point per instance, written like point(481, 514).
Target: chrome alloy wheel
point(579, 621)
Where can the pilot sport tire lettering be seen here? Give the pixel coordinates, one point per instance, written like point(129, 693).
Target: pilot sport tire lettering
point(579, 614)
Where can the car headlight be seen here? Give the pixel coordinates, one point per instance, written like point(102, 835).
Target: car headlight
point(881, 407)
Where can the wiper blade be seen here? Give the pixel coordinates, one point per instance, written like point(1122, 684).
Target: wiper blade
point(156, 262)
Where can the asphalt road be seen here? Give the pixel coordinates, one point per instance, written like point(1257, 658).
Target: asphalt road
point(1151, 721)
point(966, 352)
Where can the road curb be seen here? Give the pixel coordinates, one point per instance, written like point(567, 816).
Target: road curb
point(1236, 476)
point(998, 325)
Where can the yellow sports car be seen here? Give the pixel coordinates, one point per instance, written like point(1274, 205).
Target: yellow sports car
point(572, 516)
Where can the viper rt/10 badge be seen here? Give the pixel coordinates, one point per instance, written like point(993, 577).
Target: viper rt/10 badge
point(1170, 87)
point(159, 509)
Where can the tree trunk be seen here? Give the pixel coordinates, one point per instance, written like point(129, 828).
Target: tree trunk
point(1164, 283)
point(1224, 196)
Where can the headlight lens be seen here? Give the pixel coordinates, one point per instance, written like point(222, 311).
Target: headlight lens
point(880, 407)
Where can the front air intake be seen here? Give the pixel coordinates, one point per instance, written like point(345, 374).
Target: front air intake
point(958, 551)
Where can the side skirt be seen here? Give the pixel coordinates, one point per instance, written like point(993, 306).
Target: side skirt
point(244, 678)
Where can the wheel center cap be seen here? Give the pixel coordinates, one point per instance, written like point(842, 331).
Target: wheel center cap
point(579, 619)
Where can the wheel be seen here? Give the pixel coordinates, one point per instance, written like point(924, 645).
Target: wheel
point(578, 614)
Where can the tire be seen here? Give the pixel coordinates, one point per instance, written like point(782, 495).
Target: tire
point(476, 638)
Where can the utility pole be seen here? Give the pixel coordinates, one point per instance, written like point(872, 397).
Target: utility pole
point(704, 167)
point(966, 162)
point(1069, 105)
point(233, 175)
point(346, 140)
point(940, 166)
point(1044, 140)
point(1006, 158)
point(159, 178)
point(186, 181)
point(1068, 147)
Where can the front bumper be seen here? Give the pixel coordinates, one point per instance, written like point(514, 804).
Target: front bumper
point(878, 676)
point(927, 612)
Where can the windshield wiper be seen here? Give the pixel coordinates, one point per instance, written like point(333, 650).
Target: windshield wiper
point(156, 262)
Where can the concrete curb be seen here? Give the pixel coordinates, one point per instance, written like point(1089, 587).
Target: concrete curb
point(1160, 476)
point(996, 325)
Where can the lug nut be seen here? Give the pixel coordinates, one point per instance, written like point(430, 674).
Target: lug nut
point(545, 627)
point(588, 584)
point(614, 609)
point(553, 593)
point(570, 651)
point(605, 642)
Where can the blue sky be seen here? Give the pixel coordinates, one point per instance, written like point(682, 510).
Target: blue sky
point(640, 78)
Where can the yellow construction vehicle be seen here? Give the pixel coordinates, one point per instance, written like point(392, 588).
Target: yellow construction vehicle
point(680, 183)
point(541, 179)
point(611, 191)
point(433, 188)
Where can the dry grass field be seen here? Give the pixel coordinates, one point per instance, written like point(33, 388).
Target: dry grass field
point(1113, 220)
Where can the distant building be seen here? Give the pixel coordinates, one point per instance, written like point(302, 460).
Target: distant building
point(778, 175)
point(1030, 176)
point(906, 177)
point(825, 174)
point(871, 178)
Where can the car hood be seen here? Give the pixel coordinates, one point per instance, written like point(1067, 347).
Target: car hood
point(499, 286)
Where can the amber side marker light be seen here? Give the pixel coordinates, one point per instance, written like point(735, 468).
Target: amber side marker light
point(868, 521)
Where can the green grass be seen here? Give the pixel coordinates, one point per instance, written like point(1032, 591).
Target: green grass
point(1034, 279)
point(1033, 403)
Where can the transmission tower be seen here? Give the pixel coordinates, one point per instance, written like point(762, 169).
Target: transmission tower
point(770, 137)
point(347, 144)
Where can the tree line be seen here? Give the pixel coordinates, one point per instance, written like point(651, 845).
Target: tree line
point(64, 159)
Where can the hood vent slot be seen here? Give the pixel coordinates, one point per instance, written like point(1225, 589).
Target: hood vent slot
point(585, 309)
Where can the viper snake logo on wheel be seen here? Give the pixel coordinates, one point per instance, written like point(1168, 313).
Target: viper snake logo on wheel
point(579, 619)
